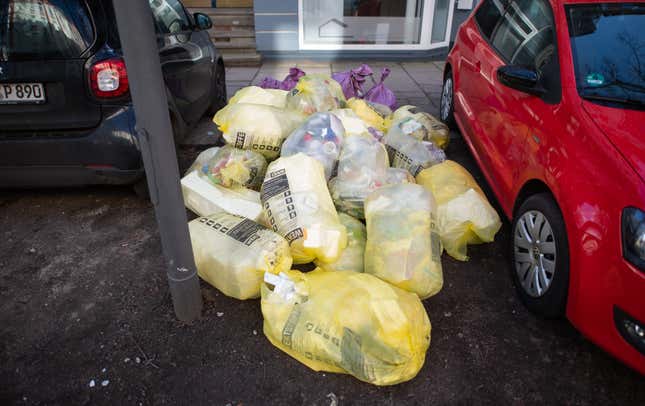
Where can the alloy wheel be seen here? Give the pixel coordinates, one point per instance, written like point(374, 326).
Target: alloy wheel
point(534, 253)
point(446, 99)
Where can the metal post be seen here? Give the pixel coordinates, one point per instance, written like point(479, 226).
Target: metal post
point(138, 39)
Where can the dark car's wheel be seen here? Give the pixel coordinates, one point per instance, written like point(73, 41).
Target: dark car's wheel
point(446, 105)
point(219, 90)
point(540, 256)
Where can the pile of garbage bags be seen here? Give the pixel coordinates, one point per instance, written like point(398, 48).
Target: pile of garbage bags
point(362, 190)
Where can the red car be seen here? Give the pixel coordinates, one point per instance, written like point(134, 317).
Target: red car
point(550, 98)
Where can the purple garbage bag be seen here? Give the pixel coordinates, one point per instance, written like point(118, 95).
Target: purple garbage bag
point(288, 83)
point(380, 93)
point(351, 81)
point(292, 78)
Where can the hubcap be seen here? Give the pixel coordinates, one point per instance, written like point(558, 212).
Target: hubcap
point(446, 99)
point(534, 253)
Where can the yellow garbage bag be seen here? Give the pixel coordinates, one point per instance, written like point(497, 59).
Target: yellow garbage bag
point(257, 127)
point(421, 125)
point(403, 247)
point(376, 116)
point(232, 253)
point(257, 95)
point(316, 93)
point(352, 258)
point(464, 215)
point(347, 322)
point(298, 206)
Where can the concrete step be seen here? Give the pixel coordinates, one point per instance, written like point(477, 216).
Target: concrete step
point(232, 32)
point(222, 11)
point(223, 43)
point(241, 58)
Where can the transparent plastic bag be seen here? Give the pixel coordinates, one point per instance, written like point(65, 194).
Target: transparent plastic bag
point(257, 95)
point(421, 125)
point(464, 215)
point(320, 137)
point(232, 253)
point(396, 176)
point(236, 167)
point(204, 198)
point(403, 247)
point(347, 322)
point(353, 124)
point(298, 206)
point(316, 93)
point(409, 153)
point(202, 159)
point(257, 127)
point(373, 114)
point(362, 167)
point(352, 258)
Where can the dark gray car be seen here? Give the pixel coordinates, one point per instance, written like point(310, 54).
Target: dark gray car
point(65, 112)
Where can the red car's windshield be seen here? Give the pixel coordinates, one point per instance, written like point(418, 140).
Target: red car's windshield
point(608, 44)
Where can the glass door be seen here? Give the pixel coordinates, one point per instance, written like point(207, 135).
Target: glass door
point(374, 24)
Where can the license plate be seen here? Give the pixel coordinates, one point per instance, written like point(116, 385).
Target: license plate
point(18, 93)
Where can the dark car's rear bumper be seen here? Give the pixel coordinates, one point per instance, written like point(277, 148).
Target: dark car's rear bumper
point(107, 154)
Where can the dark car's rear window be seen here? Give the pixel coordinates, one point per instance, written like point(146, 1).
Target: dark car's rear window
point(44, 29)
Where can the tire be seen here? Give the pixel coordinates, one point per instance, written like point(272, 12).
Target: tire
point(540, 256)
point(447, 101)
point(219, 90)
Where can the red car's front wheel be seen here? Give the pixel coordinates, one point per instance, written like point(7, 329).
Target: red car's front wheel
point(540, 256)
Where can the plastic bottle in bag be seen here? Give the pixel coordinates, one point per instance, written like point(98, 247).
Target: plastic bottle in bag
point(352, 258)
point(421, 125)
point(403, 247)
point(362, 167)
point(257, 127)
point(320, 137)
point(298, 206)
point(232, 253)
point(409, 153)
point(373, 114)
point(202, 159)
point(257, 95)
point(347, 322)
point(316, 93)
point(397, 176)
point(236, 167)
point(464, 215)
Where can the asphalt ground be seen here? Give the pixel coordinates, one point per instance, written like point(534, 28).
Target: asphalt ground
point(84, 297)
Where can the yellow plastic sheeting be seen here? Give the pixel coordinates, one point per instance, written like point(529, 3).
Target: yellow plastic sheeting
point(371, 116)
point(347, 322)
point(352, 258)
point(422, 126)
point(464, 215)
point(316, 93)
point(257, 95)
point(403, 247)
point(352, 123)
point(232, 253)
point(257, 127)
point(298, 206)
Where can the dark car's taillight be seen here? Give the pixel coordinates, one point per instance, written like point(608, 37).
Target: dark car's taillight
point(109, 78)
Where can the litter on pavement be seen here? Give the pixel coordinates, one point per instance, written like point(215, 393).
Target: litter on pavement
point(336, 155)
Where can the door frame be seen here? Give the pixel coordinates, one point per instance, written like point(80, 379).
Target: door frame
point(424, 44)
